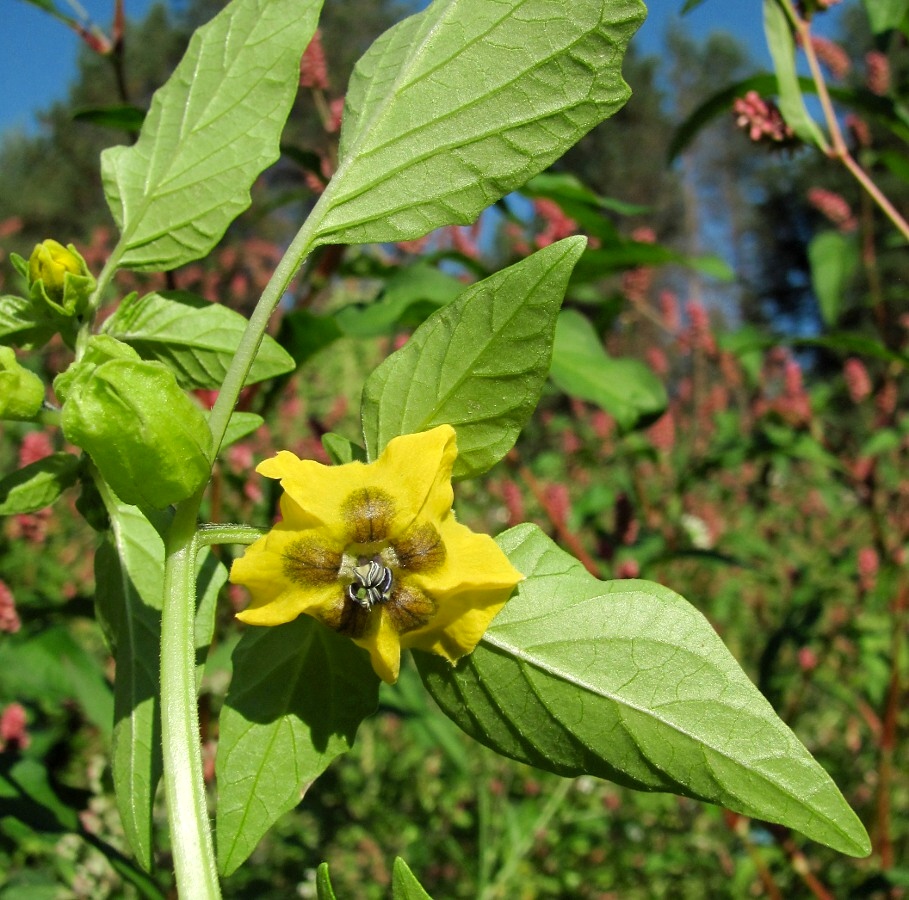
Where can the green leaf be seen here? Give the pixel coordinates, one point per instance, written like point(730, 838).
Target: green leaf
point(886, 14)
point(129, 574)
point(241, 425)
point(38, 484)
point(26, 794)
point(626, 680)
point(626, 388)
point(479, 364)
point(409, 297)
point(456, 106)
point(298, 694)
point(123, 117)
point(404, 884)
point(324, 890)
point(833, 257)
point(597, 262)
point(197, 339)
point(212, 128)
point(23, 323)
point(53, 667)
point(340, 450)
point(304, 334)
point(782, 49)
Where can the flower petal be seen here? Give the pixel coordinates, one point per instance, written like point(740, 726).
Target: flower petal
point(414, 471)
point(287, 574)
point(384, 646)
point(470, 588)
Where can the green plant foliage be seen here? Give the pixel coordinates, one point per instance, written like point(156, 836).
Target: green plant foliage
point(38, 484)
point(241, 425)
point(404, 884)
point(409, 297)
point(54, 666)
point(480, 363)
point(24, 323)
point(195, 338)
point(324, 890)
point(298, 693)
point(150, 441)
point(129, 574)
point(782, 48)
point(130, 580)
point(342, 451)
point(627, 681)
point(210, 131)
point(625, 388)
point(834, 258)
point(454, 107)
point(886, 14)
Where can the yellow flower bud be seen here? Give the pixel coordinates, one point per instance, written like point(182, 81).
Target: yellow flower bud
point(59, 275)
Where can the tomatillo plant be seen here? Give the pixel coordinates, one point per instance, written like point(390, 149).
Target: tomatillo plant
point(445, 114)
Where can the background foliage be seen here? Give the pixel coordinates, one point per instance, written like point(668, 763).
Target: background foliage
point(758, 468)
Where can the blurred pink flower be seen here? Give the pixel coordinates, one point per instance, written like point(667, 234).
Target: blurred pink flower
point(9, 618)
point(761, 119)
point(834, 207)
point(313, 68)
point(13, 732)
point(877, 73)
point(858, 381)
point(35, 445)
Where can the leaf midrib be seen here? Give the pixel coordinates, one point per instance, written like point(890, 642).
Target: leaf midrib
point(523, 657)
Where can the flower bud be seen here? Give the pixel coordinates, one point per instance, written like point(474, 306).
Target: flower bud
point(21, 391)
point(59, 276)
point(147, 438)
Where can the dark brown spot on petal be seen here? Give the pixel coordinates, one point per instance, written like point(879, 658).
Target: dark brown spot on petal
point(409, 608)
point(346, 617)
point(420, 549)
point(309, 563)
point(368, 514)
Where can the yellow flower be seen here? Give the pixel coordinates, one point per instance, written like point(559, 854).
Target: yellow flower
point(374, 552)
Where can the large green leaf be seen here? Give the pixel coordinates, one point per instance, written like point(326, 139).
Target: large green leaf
point(625, 388)
point(478, 364)
point(464, 102)
point(210, 131)
point(782, 49)
point(834, 258)
point(197, 339)
point(298, 694)
point(129, 576)
point(626, 680)
point(38, 484)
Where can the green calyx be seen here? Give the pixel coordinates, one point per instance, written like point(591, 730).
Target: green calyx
point(148, 439)
point(21, 391)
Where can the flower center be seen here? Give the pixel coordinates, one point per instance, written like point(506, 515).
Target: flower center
point(372, 584)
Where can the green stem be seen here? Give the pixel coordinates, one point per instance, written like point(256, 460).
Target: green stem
point(243, 359)
point(227, 534)
point(187, 807)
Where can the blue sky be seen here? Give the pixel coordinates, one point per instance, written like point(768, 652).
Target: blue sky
point(37, 53)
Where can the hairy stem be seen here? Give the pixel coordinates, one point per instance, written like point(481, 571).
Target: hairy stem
point(187, 807)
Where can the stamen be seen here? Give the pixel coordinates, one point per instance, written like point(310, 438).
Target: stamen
point(372, 584)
